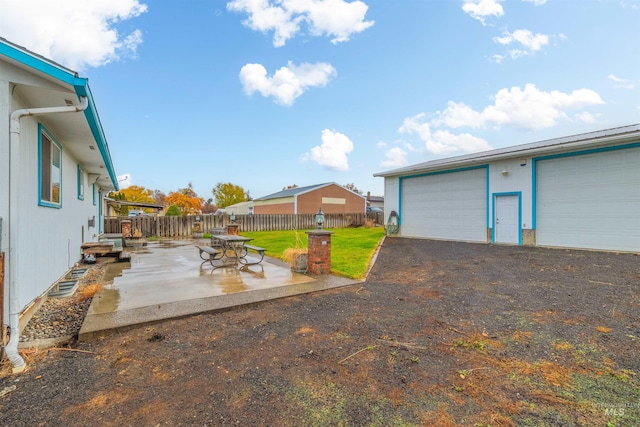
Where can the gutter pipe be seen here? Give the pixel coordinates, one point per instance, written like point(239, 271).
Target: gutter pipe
point(19, 365)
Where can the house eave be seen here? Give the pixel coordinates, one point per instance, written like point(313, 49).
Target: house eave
point(68, 82)
point(590, 140)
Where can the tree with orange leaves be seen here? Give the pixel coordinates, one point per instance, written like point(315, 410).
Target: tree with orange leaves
point(186, 200)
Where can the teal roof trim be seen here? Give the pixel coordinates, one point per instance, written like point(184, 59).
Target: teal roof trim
point(91, 114)
point(80, 85)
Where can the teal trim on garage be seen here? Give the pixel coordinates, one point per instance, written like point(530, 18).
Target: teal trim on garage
point(485, 167)
point(534, 173)
point(493, 214)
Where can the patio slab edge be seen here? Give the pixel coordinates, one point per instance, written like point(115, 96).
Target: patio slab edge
point(96, 325)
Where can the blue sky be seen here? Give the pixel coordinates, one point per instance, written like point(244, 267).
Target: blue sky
point(270, 93)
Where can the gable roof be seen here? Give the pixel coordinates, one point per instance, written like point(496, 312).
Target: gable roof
point(294, 192)
point(291, 192)
point(82, 134)
point(589, 140)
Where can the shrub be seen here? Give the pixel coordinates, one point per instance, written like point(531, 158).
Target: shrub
point(173, 211)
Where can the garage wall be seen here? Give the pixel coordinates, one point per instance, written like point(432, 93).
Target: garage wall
point(589, 199)
point(391, 196)
point(450, 205)
point(517, 179)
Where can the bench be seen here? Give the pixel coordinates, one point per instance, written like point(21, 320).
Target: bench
point(260, 251)
point(212, 253)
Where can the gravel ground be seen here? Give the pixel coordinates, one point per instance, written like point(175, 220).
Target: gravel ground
point(61, 318)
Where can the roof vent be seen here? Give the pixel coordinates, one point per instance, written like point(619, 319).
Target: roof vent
point(68, 102)
point(91, 147)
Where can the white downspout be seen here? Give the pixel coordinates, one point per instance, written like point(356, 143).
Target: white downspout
point(11, 349)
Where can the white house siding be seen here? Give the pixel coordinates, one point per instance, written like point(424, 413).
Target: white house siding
point(589, 200)
point(445, 205)
point(4, 161)
point(49, 239)
point(391, 202)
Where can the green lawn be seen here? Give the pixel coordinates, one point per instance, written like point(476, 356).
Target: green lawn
point(351, 248)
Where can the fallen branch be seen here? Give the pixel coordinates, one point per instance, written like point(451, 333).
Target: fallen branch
point(402, 344)
point(7, 390)
point(601, 283)
point(371, 347)
point(70, 349)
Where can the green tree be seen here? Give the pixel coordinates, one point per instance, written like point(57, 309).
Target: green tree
point(227, 194)
point(173, 211)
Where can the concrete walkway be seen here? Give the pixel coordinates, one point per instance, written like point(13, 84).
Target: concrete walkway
point(167, 280)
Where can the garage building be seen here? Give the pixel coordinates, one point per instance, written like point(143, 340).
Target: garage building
point(581, 191)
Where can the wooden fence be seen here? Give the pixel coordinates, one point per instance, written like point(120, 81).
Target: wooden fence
point(182, 226)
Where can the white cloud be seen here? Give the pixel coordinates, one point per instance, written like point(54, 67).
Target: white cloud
point(75, 33)
point(288, 82)
point(527, 109)
point(536, 2)
point(620, 83)
point(332, 153)
point(530, 108)
point(481, 9)
point(394, 158)
point(442, 141)
point(586, 117)
point(335, 18)
point(531, 42)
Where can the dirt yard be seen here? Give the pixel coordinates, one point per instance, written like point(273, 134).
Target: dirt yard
point(440, 334)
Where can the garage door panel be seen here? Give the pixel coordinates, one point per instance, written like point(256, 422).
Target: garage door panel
point(590, 200)
point(445, 206)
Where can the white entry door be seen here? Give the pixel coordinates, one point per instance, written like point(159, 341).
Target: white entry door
point(507, 219)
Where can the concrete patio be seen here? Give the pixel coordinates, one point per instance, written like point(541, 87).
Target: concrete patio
point(166, 279)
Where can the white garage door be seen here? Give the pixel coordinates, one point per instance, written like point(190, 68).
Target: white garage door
point(450, 206)
point(590, 201)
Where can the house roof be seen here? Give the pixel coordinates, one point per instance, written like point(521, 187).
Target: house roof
point(293, 192)
point(589, 140)
point(81, 134)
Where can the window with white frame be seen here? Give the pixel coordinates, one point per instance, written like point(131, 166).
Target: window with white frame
point(80, 183)
point(50, 170)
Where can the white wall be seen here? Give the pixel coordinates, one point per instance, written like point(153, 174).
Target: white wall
point(517, 179)
point(49, 240)
point(391, 195)
point(4, 163)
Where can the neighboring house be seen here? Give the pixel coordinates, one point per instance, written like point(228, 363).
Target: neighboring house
point(375, 201)
point(242, 208)
point(55, 168)
point(331, 197)
point(581, 191)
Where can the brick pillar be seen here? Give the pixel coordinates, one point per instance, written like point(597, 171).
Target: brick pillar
point(232, 229)
point(125, 228)
point(319, 261)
